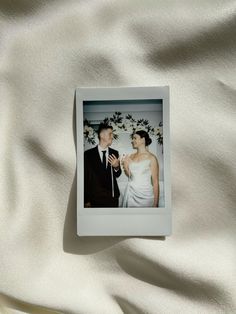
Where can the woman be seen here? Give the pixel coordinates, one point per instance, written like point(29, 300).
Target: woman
point(142, 169)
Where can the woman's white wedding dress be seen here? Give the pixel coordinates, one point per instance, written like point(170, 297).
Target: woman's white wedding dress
point(139, 189)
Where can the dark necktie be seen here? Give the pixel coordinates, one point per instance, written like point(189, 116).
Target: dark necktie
point(104, 159)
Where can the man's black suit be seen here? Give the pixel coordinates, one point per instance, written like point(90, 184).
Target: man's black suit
point(98, 181)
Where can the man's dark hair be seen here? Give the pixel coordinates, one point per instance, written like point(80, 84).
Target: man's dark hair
point(103, 126)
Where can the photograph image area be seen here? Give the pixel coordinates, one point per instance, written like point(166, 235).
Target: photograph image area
point(123, 153)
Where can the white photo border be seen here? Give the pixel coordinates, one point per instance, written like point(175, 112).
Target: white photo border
point(123, 221)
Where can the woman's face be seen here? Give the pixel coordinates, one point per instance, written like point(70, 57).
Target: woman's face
point(137, 140)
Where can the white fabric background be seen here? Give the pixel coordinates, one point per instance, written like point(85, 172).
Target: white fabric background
point(47, 49)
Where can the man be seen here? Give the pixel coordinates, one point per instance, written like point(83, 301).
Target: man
point(101, 168)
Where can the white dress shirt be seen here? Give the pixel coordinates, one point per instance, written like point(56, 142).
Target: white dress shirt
point(100, 149)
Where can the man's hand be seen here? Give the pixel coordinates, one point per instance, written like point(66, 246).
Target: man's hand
point(115, 162)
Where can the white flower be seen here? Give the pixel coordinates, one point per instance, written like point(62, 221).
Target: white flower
point(90, 135)
point(156, 131)
point(112, 124)
point(126, 122)
point(139, 128)
point(125, 127)
point(129, 128)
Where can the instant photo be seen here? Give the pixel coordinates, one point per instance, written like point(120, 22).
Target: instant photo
point(123, 161)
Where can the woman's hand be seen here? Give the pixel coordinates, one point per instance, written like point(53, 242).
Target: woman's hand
point(126, 161)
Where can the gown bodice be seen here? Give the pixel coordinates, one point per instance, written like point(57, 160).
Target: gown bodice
point(140, 172)
point(139, 189)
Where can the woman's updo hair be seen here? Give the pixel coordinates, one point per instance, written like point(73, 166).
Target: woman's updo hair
point(144, 134)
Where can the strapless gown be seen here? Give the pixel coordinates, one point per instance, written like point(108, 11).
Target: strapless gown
point(139, 189)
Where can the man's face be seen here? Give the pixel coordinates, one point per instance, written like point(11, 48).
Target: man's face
point(107, 136)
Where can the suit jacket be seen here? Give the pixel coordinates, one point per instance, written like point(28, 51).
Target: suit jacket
point(97, 180)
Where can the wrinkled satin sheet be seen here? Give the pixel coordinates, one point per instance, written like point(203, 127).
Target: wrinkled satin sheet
point(47, 49)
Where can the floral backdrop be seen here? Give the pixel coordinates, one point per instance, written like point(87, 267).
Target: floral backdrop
point(124, 124)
